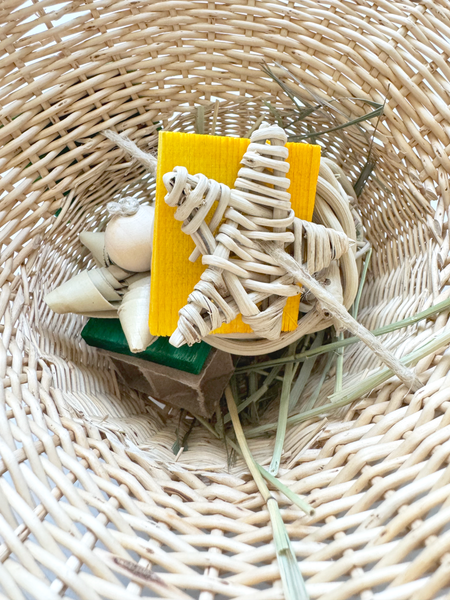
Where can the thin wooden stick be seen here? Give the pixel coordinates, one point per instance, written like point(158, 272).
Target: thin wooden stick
point(133, 150)
point(337, 310)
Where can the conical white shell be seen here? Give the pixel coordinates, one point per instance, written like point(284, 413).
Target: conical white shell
point(95, 243)
point(129, 240)
point(102, 284)
point(78, 295)
point(89, 291)
point(134, 313)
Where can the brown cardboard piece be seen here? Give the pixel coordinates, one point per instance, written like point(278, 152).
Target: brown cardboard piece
point(198, 394)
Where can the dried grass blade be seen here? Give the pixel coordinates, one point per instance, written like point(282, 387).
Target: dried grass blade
point(286, 491)
point(383, 374)
point(425, 314)
point(305, 373)
point(366, 172)
point(320, 101)
point(355, 392)
point(250, 462)
point(200, 120)
point(183, 445)
point(355, 307)
point(312, 400)
point(339, 366)
point(207, 426)
point(282, 415)
point(215, 115)
point(265, 67)
point(253, 388)
point(257, 395)
point(293, 584)
point(374, 113)
point(354, 312)
point(370, 165)
point(255, 126)
point(276, 113)
point(301, 115)
point(292, 580)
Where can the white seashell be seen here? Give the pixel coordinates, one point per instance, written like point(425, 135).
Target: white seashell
point(88, 292)
point(95, 243)
point(129, 239)
point(134, 313)
point(103, 286)
point(78, 295)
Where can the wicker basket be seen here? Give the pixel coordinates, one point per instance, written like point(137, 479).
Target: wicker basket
point(92, 502)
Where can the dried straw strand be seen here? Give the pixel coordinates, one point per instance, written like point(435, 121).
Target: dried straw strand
point(337, 311)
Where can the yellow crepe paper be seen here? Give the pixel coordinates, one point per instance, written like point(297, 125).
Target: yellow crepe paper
point(173, 276)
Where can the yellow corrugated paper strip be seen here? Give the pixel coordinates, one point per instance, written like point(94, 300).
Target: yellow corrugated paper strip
point(173, 276)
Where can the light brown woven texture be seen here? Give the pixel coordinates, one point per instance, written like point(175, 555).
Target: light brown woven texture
point(92, 504)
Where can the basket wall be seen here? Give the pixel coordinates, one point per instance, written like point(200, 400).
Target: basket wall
point(92, 502)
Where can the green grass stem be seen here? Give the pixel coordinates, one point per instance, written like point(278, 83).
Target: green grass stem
point(286, 491)
point(356, 391)
point(282, 416)
point(323, 376)
point(305, 373)
point(291, 577)
point(355, 307)
point(425, 314)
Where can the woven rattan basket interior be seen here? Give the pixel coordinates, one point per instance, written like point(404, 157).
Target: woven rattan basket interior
point(92, 502)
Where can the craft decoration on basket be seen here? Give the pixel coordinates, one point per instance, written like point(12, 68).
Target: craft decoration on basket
point(133, 313)
point(197, 393)
point(129, 234)
point(257, 209)
point(107, 334)
point(112, 291)
point(174, 268)
point(333, 194)
point(246, 234)
point(191, 378)
point(259, 225)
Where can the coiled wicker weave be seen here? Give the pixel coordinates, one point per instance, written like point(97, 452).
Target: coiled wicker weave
point(92, 502)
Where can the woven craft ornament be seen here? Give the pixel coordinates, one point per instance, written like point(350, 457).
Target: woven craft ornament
point(258, 209)
point(218, 158)
point(258, 213)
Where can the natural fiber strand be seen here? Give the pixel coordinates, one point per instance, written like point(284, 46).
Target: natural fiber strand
point(293, 584)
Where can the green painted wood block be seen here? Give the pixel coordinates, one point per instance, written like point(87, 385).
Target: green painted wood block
point(107, 334)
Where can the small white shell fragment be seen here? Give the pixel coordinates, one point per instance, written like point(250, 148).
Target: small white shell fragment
point(129, 239)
